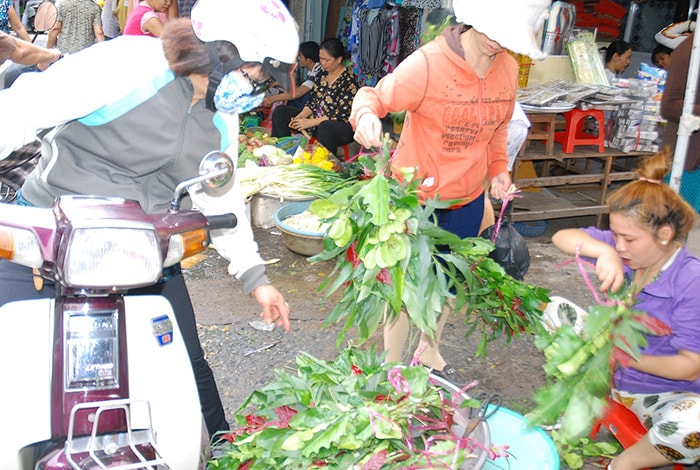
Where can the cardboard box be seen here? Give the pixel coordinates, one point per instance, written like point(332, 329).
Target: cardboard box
point(554, 67)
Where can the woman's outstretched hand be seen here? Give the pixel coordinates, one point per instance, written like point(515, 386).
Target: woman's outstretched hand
point(368, 132)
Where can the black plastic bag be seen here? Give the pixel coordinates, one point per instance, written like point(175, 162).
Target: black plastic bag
point(511, 250)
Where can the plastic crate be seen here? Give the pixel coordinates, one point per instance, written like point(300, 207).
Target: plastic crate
point(250, 120)
point(532, 228)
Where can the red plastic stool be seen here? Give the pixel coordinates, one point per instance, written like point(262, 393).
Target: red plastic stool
point(346, 152)
point(575, 134)
point(623, 424)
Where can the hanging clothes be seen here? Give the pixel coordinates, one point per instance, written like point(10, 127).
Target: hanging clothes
point(352, 40)
point(374, 37)
point(421, 3)
point(375, 33)
point(393, 47)
point(409, 31)
point(345, 23)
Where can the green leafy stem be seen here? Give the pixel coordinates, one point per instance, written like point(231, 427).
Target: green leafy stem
point(353, 412)
point(579, 366)
point(391, 256)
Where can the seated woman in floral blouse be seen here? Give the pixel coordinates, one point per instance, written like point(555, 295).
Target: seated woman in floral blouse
point(325, 116)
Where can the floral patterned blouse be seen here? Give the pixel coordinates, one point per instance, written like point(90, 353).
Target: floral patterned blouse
point(5, 5)
point(333, 101)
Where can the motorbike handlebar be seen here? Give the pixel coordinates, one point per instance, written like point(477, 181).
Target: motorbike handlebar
point(222, 221)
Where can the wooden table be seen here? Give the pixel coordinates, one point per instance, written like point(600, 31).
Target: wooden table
point(542, 127)
point(584, 168)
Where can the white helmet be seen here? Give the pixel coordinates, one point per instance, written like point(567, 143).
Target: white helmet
point(514, 24)
point(262, 30)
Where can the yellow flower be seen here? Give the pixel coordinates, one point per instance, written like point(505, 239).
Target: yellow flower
point(321, 152)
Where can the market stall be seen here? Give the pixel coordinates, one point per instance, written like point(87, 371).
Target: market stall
point(591, 132)
point(582, 172)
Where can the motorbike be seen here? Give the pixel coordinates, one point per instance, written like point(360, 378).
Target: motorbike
point(95, 377)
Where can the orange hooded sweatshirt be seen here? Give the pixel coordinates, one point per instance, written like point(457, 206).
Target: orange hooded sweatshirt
point(455, 131)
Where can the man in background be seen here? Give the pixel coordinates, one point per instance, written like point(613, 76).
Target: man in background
point(309, 60)
point(78, 25)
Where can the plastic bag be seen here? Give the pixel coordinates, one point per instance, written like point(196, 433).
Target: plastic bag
point(511, 250)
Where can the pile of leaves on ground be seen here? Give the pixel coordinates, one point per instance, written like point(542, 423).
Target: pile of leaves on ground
point(579, 365)
point(353, 412)
point(391, 256)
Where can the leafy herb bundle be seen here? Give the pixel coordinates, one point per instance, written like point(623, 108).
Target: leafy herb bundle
point(353, 412)
point(391, 256)
point(579, 367)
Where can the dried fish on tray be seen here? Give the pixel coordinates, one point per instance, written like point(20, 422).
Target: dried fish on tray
point(557, 94)
point(539, 95)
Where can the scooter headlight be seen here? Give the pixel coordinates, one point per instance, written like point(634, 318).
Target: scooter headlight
point(112, 256)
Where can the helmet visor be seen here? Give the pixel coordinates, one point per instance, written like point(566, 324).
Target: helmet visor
point(281, 72)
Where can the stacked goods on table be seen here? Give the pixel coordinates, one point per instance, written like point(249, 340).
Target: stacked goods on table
point(555, 96)
point(638, 125)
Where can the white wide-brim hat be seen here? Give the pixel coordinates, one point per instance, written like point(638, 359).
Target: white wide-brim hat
point(514, 24)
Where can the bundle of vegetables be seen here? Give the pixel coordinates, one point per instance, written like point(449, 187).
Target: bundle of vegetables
point(354, 412)
point(390, 256)
point(254, 145)
point(579, 367)
point(302, 180)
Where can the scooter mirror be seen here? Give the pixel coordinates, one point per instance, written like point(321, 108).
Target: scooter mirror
point(212, 164)
point(215, 170)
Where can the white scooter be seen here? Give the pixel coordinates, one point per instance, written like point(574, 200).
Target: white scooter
point(95, 378)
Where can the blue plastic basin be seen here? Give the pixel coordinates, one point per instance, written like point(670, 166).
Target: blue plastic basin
point(299, 241)
point(530, 448)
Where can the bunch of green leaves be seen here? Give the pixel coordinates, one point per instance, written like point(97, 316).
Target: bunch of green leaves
point(391, 256)
point(579, 367)
point(353, 412)
point(573, 454)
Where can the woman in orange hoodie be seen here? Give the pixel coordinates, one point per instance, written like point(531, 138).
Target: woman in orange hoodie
point(458, 92)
